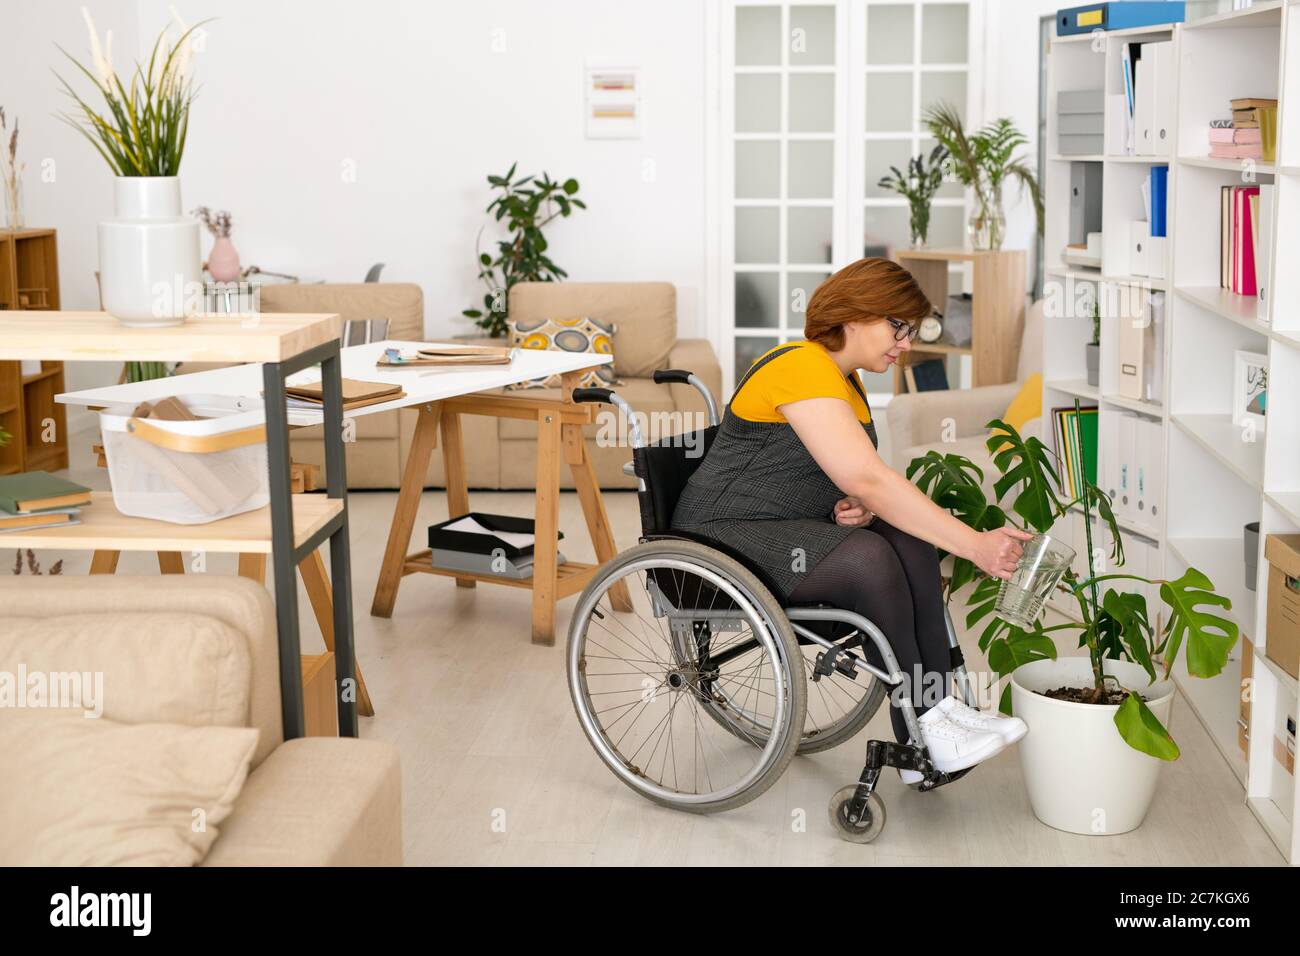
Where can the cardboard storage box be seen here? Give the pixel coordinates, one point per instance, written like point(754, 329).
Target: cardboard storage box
point(1282, 552)
point(1247, 673)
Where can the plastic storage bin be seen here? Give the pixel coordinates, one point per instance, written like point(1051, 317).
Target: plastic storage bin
point(188, 472)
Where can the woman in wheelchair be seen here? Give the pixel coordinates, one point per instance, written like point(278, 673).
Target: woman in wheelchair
point(784, 583)
point(793, 483)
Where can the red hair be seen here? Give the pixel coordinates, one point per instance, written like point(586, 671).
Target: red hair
point(868, 289)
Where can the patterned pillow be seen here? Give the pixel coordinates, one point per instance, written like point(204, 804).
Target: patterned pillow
point(583, 334)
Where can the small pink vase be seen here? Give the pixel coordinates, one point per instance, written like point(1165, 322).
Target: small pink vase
point(223, 261)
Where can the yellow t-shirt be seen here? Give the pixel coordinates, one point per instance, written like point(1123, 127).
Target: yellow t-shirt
point(805, 371)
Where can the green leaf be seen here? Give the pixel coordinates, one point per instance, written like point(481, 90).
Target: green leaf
point(1209, 637)
point(570, 186)
point(1019, 647)
point(1124, 627)
point(1025, 462)
point(1142, 731)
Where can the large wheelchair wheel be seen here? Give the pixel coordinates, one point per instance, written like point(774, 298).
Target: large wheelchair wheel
point(666, 705)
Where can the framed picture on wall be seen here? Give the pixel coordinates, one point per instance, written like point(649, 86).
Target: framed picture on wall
point(1249, 388)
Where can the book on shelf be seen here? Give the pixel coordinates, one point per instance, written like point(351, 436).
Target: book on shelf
point(1236, 150)
point(1239, 238)
point(54, 518)
point(1263, 244)
point(1234, 135)
point(1252, 102)
point(36, 491)
point(1076, 446)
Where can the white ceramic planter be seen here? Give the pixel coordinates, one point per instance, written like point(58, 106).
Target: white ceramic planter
point(149, 254)
point(1081, 775)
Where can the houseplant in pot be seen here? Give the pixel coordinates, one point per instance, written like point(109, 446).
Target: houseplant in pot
point(984, 161)
point(918, 186)
point(1097, 721)
point(527, 205)
point(149, 258)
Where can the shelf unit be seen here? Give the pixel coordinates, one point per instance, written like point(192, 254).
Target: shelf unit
point(1217, 476)
point(36, 423)
point(997, 309)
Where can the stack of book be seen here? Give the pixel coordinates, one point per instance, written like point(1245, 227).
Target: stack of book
point(1076, 446)
point(37, 499)
point(1244, 235)
point(1241, 136)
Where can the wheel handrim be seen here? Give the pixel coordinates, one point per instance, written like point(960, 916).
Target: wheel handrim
point(628, 758)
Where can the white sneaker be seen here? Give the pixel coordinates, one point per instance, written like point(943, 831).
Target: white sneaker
point(910, 777)
point(1009, 729)
point(953, 747)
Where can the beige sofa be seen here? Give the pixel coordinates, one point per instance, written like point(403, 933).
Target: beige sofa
point(315, 801)
point(501, 453)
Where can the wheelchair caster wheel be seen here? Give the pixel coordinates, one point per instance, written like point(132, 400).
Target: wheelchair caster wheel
point(864, 830)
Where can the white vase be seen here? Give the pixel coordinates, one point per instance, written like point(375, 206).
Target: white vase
point(149, 254)
point(1081, 775)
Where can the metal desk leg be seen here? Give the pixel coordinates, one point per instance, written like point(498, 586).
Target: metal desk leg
point(336, 484)
point(282, 551)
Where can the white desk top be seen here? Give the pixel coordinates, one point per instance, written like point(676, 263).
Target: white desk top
point(421, 383)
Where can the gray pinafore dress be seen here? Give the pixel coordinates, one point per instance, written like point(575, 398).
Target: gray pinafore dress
point(762, 494)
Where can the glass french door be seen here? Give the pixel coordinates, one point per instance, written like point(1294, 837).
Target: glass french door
point(819, 100)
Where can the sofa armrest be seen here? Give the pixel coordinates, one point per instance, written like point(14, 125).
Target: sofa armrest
point(917, 418)
point(696, 355)
point(317, 801)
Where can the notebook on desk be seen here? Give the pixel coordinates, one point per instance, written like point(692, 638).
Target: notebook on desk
point(356, 394)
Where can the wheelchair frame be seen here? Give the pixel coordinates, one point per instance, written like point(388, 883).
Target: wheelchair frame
point(837, 656)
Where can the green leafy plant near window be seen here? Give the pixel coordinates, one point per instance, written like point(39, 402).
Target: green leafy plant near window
point(1115, 625)
point(918, 186)
point(984, 161)
point(527, 205)
point(143, 129)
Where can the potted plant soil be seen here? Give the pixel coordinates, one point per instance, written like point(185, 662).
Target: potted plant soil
point(1097, 721)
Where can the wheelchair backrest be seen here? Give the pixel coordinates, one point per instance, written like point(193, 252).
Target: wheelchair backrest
point(664, 467)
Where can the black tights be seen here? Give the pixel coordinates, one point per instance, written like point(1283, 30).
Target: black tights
point(892, 579)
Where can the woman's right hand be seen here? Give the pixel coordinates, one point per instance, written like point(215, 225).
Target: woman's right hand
point(997, 552)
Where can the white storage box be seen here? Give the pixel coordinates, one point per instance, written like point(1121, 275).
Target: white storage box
point(188, 472)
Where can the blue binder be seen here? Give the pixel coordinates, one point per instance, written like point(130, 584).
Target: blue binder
point(1118, 15)
point(1159, 198)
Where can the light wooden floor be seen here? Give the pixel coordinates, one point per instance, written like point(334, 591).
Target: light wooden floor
point(496, 769)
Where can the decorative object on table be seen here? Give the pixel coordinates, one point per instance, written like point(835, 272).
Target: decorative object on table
point(356, 394)
point(167, 463)
point(919, 186)
point(223, 260)
point(446, 357)
point(149, 253)
point(1109, 15)
point(1092, 350)
point(12, 173)
point(1249, 388)
point(527, 205)
point(931, 329)
point(583, 334)
point(983, 161)
point(1076, 759)
point(488, 544)
point(34, 566)
point(1250, 551)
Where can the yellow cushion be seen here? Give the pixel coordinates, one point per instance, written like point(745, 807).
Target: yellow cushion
point(581, 334)
point(1028, 403)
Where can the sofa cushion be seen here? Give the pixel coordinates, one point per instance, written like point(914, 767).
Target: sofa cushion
point(652, 403)
point(89, 792)
point(566, 334)
point(137, 667)
point(401, 303)
point(645, 314)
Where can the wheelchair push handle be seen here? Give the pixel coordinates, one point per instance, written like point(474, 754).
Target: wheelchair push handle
point(679, 376)
point(607, 396)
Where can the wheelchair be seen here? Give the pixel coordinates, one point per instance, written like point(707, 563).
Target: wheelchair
point(696, 687)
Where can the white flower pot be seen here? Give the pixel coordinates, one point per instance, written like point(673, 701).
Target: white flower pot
point(149, 254)
point(1081, 775)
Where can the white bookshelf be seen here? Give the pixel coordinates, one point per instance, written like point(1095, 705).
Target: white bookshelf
point(1214, 480)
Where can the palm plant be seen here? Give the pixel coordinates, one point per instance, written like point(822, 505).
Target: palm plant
point(984, 161)
point(918, 187)
point(1113, 625)
point(143, 130)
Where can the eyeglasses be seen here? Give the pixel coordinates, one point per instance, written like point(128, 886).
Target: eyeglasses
point(904, 330)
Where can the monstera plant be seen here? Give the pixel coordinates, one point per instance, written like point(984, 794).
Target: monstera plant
point(1114, 624)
